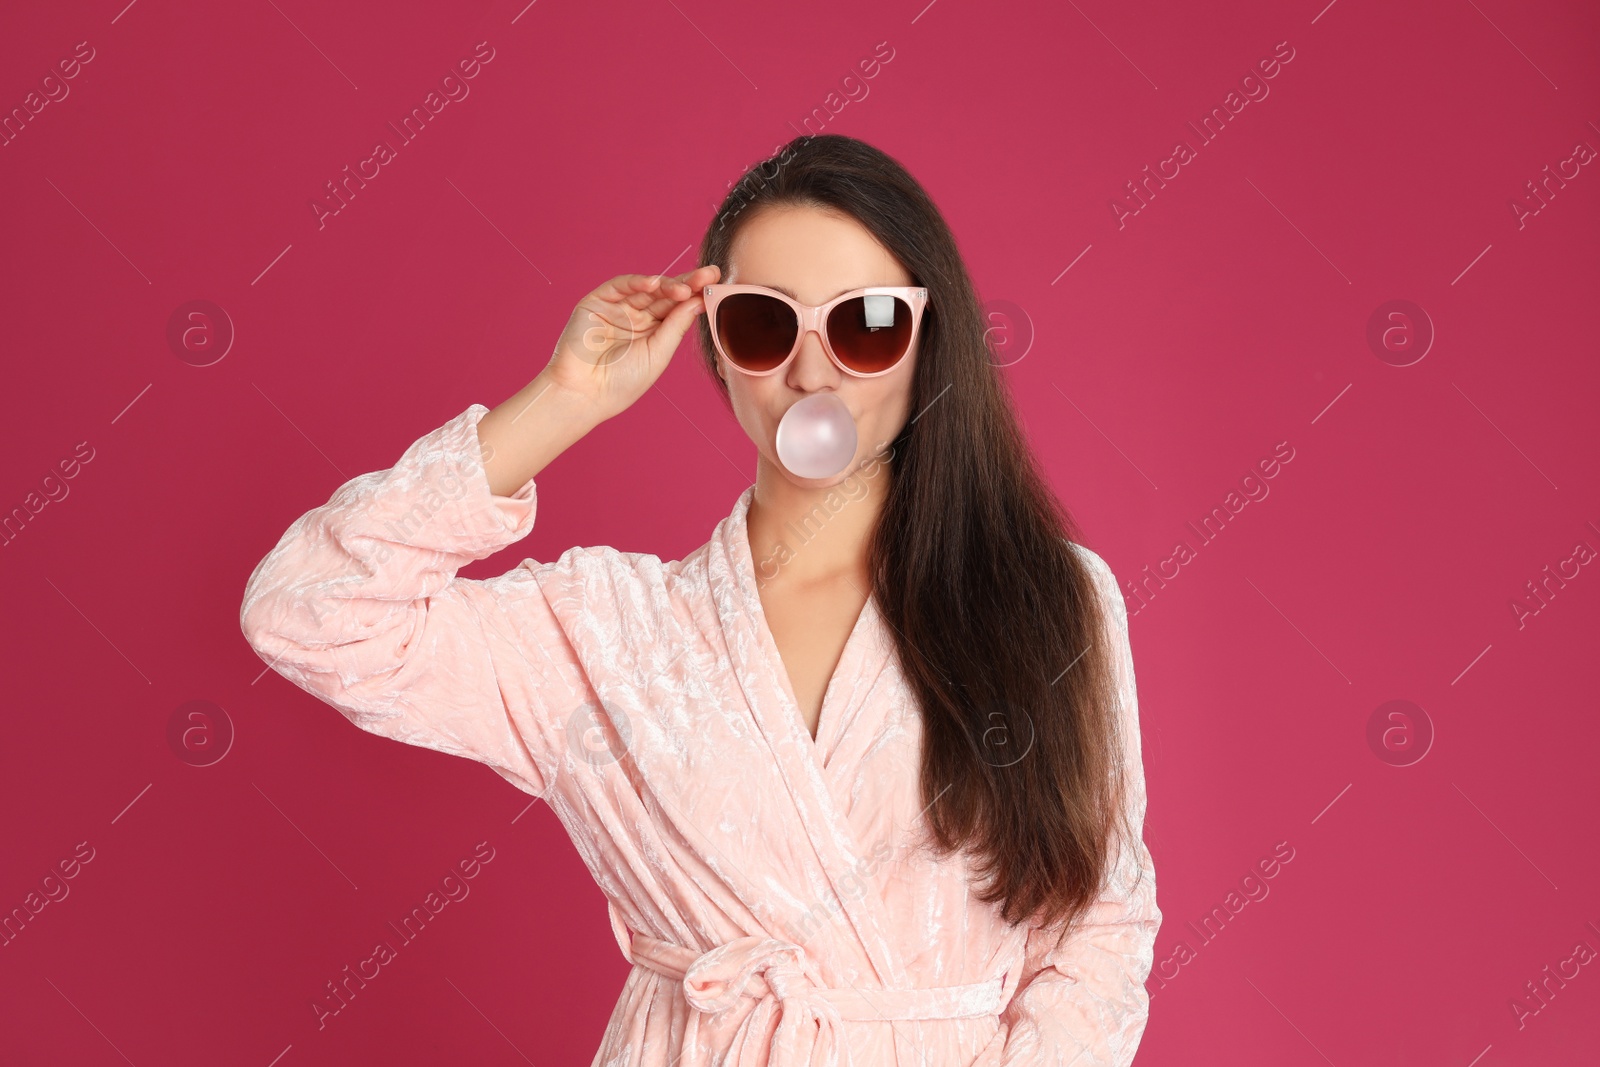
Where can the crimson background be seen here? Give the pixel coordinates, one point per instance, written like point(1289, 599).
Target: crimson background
point(1226, 316)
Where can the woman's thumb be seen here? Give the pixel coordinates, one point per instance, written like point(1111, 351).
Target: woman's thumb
point(678, 320)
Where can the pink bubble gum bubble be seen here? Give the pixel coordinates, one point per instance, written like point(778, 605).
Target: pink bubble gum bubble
point(817, 436)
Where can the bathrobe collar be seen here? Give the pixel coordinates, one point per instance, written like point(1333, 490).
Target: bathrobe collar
point(802, 763)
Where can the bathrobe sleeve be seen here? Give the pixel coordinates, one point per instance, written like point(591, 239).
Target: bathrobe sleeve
point(1081, 999)
point(359, 604)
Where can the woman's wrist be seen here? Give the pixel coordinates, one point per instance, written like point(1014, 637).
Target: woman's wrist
point(530, 429)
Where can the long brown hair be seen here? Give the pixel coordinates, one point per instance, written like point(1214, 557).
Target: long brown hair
point(997, 623)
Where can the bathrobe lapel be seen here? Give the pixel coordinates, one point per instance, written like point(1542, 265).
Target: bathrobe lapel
point(801, 763)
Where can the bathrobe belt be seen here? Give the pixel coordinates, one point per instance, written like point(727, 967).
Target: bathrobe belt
point(782, 974)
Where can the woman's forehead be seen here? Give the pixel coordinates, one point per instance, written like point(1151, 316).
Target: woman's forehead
point(810, 255)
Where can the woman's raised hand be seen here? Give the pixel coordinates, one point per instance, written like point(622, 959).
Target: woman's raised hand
point(621, 337)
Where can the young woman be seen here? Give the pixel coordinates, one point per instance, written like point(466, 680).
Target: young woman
point(860, 777)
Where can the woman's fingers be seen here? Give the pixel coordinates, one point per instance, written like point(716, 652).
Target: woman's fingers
point(624, 286)
point(659, 301)
point(701, 277)
point(655, 294)
point(682, 286)
point(674, 326)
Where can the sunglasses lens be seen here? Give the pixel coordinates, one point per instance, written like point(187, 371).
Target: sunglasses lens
point(756, 331)
point(870, 333)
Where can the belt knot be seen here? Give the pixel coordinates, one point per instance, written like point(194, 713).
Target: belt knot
point(716, 979)
point(784, 980)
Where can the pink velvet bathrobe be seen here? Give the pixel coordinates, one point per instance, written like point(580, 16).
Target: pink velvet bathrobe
point(772, 891)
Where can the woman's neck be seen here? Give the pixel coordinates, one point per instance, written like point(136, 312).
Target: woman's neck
point(804, 535)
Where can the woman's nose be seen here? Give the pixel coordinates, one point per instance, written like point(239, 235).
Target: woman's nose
point(812, 369)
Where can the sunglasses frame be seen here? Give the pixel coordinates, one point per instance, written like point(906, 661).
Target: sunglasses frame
point(813, 318)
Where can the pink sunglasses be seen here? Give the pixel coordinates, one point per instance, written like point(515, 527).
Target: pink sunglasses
point(866, 332)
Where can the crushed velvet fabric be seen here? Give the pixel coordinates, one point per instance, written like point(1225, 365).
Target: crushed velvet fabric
point(774, 892)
